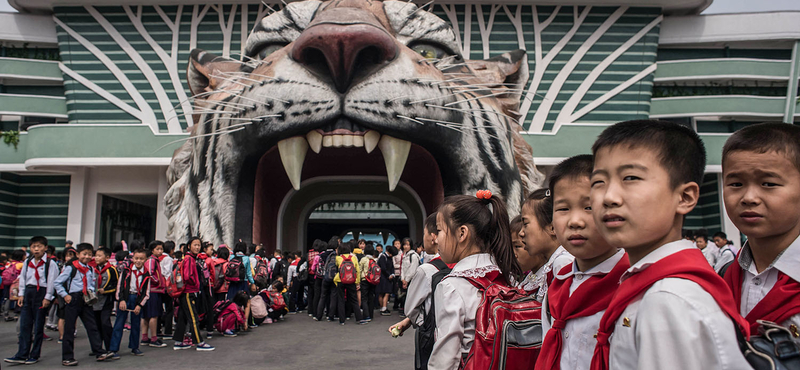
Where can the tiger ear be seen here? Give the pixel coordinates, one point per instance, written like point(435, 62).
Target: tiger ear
point(207, 71)
point(508, 69)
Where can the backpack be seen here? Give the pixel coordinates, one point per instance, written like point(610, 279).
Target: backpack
point(219, 275)
point(320, 266)
point(258, 308)
point(425, 332)
point(771, 348)
point(158, 281)
point(373, 275)
point(347, 270)
point(262, 273)
point(302, 272)
point(219, 307)
point(123, 265)
point(235, 271)
point(175, 282)
point(330, 267)
point(11, 273)
point(278, 270)
point(508, 327)
point(276, 301)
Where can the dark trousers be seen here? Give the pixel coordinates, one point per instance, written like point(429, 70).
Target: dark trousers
point(72, 311)
point(367, 299)
point(325, 299)
point(207, 309)
point(119, 325)
point(296, 302)
point(348, 297)
point(316, 296)
point(310, 283)
point(165, 323)
point(103, 320)
point(31, 321)
point(187, 314)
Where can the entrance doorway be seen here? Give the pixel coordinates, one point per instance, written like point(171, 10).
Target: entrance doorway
point(380, 222)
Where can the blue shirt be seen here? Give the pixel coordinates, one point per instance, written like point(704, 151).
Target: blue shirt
point(76, 286)
point(246, 262)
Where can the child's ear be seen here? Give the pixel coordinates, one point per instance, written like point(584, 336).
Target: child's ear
point(463, 234)
point(689, 194)
point(551, 230)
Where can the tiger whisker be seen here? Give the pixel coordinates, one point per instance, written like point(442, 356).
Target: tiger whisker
point(197, 136)
point(473, 110)
point(411, 119)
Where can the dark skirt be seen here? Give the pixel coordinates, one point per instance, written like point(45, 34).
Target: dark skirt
point(236, 287)
point(384, 286)
point(152, 308)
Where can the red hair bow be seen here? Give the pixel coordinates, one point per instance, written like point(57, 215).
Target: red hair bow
point(484, 194)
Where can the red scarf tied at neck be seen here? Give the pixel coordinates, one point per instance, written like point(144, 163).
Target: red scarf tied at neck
point(83, 271)
point(591, 297)
point(689, 264)
point(780, 304)
point(36, 270)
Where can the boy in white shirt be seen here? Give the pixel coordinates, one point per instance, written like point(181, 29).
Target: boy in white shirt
point(761, 174)
point(671, 310)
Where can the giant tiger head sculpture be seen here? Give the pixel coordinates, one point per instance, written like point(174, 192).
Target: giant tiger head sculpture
point(343, 78)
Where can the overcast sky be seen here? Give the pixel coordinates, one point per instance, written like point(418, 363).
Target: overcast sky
point(718, 6)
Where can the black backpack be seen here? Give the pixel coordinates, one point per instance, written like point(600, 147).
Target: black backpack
point(425, 332)
point(330, 267)
point(302, 273)
point(235, 271)
point(278, 271)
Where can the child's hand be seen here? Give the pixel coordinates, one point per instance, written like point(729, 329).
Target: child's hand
point(405, 284)
point(19, 301)
point(68, 299)
point(137, 310)
point(398, 329)
point(45, 303)
point(122, 306)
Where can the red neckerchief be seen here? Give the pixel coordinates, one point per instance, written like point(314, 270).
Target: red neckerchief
point(100, 272)
point(83, 271)
point(294, 263)
point(689, 264)
point(161, 257)
point(137, 274)
point(449, 265)
point(777, 306)
point(36, 270)
point(202, 256)
point(591, 297)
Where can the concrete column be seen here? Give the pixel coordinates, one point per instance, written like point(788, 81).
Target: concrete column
point(791, 90)
point(77, 192)
point(727, 225)
point(161, 218)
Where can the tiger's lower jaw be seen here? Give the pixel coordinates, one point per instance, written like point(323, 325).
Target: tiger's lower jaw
point(294, 149)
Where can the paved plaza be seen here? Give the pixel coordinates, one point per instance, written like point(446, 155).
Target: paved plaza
point(299, 342)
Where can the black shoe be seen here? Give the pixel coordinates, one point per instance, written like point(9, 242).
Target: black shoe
point(386, 313)
point(70, 362)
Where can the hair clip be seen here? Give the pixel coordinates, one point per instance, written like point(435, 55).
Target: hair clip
point(547, 193)
point(484, 194)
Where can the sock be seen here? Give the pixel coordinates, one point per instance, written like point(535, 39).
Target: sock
point(383, 308)
point(154, 338)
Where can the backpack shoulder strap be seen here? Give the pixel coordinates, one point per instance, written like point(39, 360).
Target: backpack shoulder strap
point(439, 264)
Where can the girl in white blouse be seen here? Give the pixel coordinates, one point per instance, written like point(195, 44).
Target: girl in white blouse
point(474, 233)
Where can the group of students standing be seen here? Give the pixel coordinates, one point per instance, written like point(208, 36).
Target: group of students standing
point(601, 248)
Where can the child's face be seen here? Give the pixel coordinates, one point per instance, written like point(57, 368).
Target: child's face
point(379, 249)
point(447, 245)
point(429, 242)
point(537, 240)
point(100, 258)
point(720, 242)
point(85, 256)
point(362, 245)
point(37, 250)
point(633, 203)
point(138, 259)
point(573, 221)
point(526, 261)
point(209, 249)
point(701, 243)
point(158, 250)
point(70, 255)
point(195, 246)
point(762, 194)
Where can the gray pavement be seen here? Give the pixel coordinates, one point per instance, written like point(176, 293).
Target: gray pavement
point(299, 342)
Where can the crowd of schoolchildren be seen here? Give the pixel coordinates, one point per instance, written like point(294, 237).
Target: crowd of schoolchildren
point(155, 293)
point(596, 272)
point(601, 258)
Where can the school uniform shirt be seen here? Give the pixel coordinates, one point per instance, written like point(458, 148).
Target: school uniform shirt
point(675, 324)
point(292, 273)
point(418, 298)
point(711, 252)
point(409, 266)
point(131, 281)
point(76, 285)
point(756, 286)
point(107, 283)
point(457, 302)
point(578, 340)
point(725, 256)
point(557, 261)
point(166, 266)
point(528, 283)
point(397, 261)
point(27, 276)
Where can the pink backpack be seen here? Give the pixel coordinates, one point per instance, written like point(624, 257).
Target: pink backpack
point(10, 274)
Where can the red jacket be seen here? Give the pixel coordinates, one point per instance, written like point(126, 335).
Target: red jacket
point(191, 283)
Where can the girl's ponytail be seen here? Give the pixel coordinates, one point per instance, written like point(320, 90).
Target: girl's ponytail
point(499, 241)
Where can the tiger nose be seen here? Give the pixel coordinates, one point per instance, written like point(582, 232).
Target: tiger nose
point(343, 51)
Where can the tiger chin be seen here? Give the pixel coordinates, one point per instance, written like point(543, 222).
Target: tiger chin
point(349, 87)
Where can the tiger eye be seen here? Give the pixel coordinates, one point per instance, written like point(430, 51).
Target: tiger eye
point(428, 51)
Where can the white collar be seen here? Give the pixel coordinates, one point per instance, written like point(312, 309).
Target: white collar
point(602, 268)
point(476, 265)
point(658, 254)
point(786, 262)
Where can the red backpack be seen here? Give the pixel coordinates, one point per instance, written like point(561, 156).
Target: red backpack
point(276, 301)
point(175, 282)
point(373, 275)
point(347, 270)
point(508, 327)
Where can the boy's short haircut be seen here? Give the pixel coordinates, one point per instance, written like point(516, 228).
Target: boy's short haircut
point(702, 236)
point(571, 168)
point(430, 223)
point(541, 202)
point(678, 148)
point(169, 246)
point(783, 138)
point(140, 250)
point(121, 255)
point(224, 253)
point(516, 225)
point(84, 247)
point(37, 239)
point(720, 234)
point(17, 255)
point(105, 251)
point(51, 249)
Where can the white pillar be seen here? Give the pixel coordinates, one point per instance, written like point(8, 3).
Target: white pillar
point(77, 191)
point(161, 218)
point(727, 225)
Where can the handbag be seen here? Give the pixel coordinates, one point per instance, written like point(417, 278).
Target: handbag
point(90, 298)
